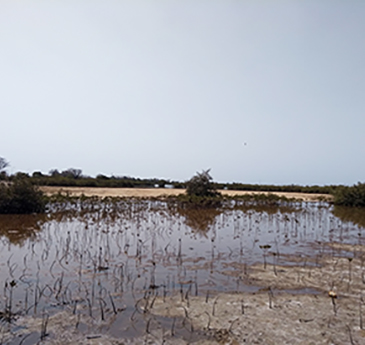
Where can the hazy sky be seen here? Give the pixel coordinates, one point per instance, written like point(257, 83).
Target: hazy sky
point(258, 91)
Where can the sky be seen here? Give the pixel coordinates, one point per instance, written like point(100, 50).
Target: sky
point(269, 92)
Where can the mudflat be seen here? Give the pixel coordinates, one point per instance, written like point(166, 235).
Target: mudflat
point(159, 192)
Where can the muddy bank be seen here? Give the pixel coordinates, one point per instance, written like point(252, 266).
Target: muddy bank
point(290, 305)
point(293, 305)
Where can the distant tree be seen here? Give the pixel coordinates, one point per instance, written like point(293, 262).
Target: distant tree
point(72, 173)
point(102, 177)
point(37, 174)
point(54, 173)
point(201, 185)
point(3, 164)
point(21, 175)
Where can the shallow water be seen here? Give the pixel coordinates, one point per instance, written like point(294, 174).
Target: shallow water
point(106, 261)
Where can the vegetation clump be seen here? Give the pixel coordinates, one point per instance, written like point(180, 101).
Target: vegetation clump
point(353, 196)
point(201, 185)
point(201, 191)
point(21, 197)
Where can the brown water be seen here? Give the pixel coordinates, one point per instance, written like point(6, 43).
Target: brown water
point(104, 260)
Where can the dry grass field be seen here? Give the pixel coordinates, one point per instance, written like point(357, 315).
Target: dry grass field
point(158, 192)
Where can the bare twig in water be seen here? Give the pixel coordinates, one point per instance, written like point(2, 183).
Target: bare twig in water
point(230, 327)
point(153, 300)
point(350, 335)
point(173, 327)
point(333, 298)
point(360, 312)
point(214, 303)
point(112, 303)
point(271, 295)
point(209, 319)
point(45, 318)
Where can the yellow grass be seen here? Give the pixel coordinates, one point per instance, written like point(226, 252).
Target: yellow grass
point(157, 192)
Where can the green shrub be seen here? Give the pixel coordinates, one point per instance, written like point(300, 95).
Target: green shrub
point(20, 197)
point(201, 185)
point(350, 196)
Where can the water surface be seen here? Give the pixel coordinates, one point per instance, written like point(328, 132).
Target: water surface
point(103, 260)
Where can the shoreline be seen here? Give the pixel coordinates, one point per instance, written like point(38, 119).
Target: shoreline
point(159, 192)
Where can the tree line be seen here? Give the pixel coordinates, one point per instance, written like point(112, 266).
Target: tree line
point(74, 177)
point(19, 193)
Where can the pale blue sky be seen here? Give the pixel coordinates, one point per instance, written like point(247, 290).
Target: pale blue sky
point(168, 88)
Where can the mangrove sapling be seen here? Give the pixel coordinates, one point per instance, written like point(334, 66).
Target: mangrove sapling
point(173, 327)
point(60, 261)
point(80, 267)
point(144, 308)
point(298, 277)
point(23, 340)
point(42, 292)
point(133, 288)
point(333, 296)
point(45, 318)
point(164, 293)
point(350, 335)
point(182, 292)
point(207, 297)
point(147, 301)
point(245, 270)
point(274, 261)
point(271, 295)
point(75, 306)
point(90, 307)
point(231, 326)
point(121, 277)
point(26, 300)
point(112, 303)
point(36, 300)
point(132, 318)
point(154, 299)
point(214, 304)
point(148, 326)
point(360, 312)
point(265, 248)
point(78, 321)
point(8, 315)
point(350, 276)
point(25, 264)
point(12, 267)
point(186, 317)
point(209, 320)
point(238, 284)
point(187, 294)
point(51, 267)
point(102, 304)
point(179, 255)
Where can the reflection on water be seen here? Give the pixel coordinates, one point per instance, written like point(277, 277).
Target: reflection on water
point(199, 220)
point(350, 214)
point(101, 261)
point(17, 228)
